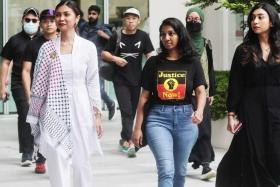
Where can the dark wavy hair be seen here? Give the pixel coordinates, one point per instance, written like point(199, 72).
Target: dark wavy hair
point(94, 8)
point(71, 4)
point(185, 44)
point(251, 41)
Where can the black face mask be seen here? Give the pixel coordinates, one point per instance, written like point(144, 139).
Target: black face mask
point(193, 26)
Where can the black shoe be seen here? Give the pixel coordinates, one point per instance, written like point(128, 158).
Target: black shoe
point(26, 159)
point(207, 173)
point(195, 165)
point(112, 111)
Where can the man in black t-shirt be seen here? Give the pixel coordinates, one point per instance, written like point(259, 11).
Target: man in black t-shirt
point(128, 66)
point(13, 51)
point(49, 29)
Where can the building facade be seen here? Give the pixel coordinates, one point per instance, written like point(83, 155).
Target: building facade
point(221, 26)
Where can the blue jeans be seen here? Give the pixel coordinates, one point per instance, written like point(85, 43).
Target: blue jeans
point(171, 136)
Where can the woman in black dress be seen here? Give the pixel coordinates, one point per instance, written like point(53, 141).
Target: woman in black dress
point(253, 159)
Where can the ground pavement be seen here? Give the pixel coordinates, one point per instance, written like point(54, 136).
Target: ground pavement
point(113, 169)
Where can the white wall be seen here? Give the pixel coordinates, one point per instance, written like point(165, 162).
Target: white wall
point(219, 27)
point(214, 26)
point(159, 10)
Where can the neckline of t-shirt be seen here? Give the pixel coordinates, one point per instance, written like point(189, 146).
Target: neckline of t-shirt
point(130, 35)
point(174, 61)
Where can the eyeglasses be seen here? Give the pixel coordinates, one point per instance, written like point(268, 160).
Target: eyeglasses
point(197, 19)
point(170, 34)
point(27, 20)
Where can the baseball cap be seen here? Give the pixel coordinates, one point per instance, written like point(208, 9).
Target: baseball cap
point(47, 13)
point(29, 10)
point(132, 11)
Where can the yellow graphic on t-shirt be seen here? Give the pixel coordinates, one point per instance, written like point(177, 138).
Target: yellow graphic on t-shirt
point(171, 85)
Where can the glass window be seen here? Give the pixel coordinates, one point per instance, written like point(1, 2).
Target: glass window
point(16, 8)
point(117, 7)
point(1, 45)
point(13, 24)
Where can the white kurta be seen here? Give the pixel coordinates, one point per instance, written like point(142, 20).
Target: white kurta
point(80, 76)
point(83, 132)
point(81, 86)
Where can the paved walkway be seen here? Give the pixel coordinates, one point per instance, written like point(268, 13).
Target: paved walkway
point(113, 169)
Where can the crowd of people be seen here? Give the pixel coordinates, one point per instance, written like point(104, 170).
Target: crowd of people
point(58, 91)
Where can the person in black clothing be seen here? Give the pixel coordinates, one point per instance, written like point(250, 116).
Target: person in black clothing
point(253, 105)
point(49, 29)
point(128, 67)
point(82, 21)
point(202, 152)
point(168, 81)
point(14, 51)
point(99, 35)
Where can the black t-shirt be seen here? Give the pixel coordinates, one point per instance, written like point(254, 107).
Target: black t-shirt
point(172, 82)
point(131, 48)
point(32, 50)
point(14, 50)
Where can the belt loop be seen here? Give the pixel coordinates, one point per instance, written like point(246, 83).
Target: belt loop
point(162, 108)
point(186, 108)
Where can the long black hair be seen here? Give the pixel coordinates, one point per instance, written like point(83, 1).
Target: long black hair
point(71, 4)
point(251, 37)
point(185, 44)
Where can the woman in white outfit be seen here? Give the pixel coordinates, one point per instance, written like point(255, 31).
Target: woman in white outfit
point(65, 107)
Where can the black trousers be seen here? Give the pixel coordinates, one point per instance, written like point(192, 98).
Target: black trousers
point(128, 97)
point(202, 152)
point(26, 140)
point(104, 96)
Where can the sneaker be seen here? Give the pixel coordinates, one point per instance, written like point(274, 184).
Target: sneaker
point(26, 159)
point(131, 153)
point(123, 146)
point(207, 173)
point(112, 111)
point(40, 168)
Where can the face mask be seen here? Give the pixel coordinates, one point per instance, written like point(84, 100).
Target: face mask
point(193, 26)
point(30, 28)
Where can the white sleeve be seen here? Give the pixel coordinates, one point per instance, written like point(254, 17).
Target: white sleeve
point(92, 78)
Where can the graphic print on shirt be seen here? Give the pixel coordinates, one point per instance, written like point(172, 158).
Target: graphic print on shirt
point(171, 85)
point(133, 55)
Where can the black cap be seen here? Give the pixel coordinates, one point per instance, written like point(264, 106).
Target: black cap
point(29, 10)
point(47, 13)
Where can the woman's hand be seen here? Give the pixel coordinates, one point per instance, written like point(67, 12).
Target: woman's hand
point(197, 116)
point(99, 128)
point(210, 100)
point(233, 124)
point(137, 137)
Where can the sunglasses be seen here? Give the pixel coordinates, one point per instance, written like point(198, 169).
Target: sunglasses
point(27, 20)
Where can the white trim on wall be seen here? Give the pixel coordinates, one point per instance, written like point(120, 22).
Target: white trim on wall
point(5, 39)
point(106, 11)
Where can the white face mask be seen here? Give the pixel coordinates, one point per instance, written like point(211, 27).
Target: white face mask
point(30, 28)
